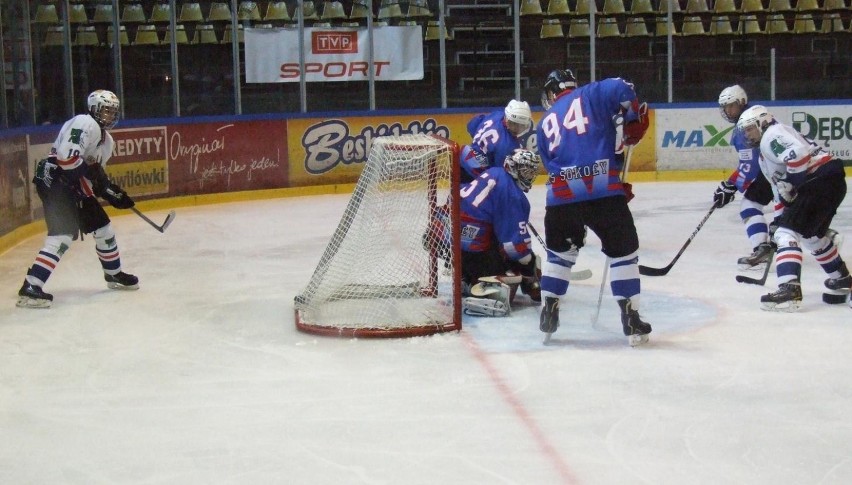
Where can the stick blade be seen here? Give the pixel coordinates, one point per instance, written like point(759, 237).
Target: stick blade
point(648, 271)
point(168, 221)
point(750, 281)
point(582, 274)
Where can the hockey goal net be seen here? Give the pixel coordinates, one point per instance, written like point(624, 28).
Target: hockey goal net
point(392, 266)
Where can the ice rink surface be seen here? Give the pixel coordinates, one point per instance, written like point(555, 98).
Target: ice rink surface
point(201, 377)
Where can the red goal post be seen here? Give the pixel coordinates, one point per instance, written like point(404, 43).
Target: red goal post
point(392, 268)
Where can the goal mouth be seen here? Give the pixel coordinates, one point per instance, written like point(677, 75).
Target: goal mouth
point(392, 266)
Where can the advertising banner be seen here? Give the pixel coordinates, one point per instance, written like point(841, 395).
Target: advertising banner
point(208, 158)
point(698, 138)
point(339, 54)
point(138, 162)
point(328, 151)
point(14, 183)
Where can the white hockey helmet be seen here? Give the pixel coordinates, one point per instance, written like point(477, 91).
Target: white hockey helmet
point(518, 117)
point(103, 106)
point(732, 96)
point(522, 165)
point(753, 122)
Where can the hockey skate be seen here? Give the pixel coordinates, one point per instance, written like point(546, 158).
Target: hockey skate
point(31, 296)
point(788, 298)
point(634, 328)
point(122, 281)
point(549, 319)
point(757, 259)
point(838, 288)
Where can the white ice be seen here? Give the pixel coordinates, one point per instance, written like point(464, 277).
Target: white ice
point(201, 376)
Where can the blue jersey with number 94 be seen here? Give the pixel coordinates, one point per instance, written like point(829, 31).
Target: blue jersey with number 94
point(577, 141)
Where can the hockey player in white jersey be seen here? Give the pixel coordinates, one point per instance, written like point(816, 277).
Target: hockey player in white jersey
point(812, 185)
point(68, 183)
point(747, 179)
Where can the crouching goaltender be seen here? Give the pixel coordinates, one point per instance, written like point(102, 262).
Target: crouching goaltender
point(497, 257)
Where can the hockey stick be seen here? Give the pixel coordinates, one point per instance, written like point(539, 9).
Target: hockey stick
point(759, 281)
point(161, 228)
point(583, 274)
point(608, 260)
point(648, 271)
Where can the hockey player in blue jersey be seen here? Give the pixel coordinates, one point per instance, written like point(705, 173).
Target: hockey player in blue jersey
point(496, 253)
point(581, 139)
point(747, 179)
point(495, 136)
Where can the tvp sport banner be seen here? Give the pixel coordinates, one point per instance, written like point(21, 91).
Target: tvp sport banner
point(272, 55)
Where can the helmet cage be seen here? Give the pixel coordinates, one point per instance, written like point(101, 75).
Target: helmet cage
point(522, 165)
point(104, 108)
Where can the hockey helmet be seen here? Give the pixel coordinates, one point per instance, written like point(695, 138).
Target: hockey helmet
point(103, 106)
point(557, 82)
point(522, 165)
point(732, 96)
point(518, 117)
point(753, 123)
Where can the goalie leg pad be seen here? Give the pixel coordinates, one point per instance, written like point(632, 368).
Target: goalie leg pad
point(490, 298)
point(485, 307)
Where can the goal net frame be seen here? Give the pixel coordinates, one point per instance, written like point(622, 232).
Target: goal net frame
point(431, 303)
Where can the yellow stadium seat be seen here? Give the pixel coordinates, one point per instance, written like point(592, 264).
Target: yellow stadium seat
point(249, 11)
point(608, 27)
point(752, 6)
point(551, 29)
point(558, 7)
point(585, 6)
point(777, 24)
point(133, 13)
point(146, 35)
point(697, 6)
point(103, 13)
point(190, 12)
point(123, 39)
point(725, 7)
point(641, 7)
point(751, 25)
point(531, 7)
point(804, 24)
point(721, 25)
point(86, 35)
point(579, 27)
point(612, 7)
point(219, 11)
point(433, 31)
point(332, 11)
point(663, 6)
point(180, 35)
point(205, 34)
point(276, 11)
point(662, 27)
point(416, 9)
point(636, 27)
point(160, 12)
point(692, 25)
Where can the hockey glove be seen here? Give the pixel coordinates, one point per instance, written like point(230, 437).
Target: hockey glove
point(117, 197)
point(787, 192)
point(635, 130)
point(628, 190)
point(724, 193)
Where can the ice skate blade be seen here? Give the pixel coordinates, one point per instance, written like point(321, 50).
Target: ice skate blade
point(118, 286)
point(638, 339)
point(786, 307)
point(27, 302)
point(546, 340)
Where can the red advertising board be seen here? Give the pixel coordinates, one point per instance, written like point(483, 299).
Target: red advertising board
point(207, 158)
point(14, 183)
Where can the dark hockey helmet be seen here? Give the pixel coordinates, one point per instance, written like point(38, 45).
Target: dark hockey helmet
point(522, 165)
point(557, 82)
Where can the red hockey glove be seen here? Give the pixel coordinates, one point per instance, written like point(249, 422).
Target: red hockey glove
point(628, 191)
point(635, 130)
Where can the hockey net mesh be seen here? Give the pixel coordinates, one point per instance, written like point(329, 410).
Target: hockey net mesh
point(390, 269)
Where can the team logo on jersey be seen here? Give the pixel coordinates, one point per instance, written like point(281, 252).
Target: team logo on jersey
point(776, 147)
point(572, 173)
